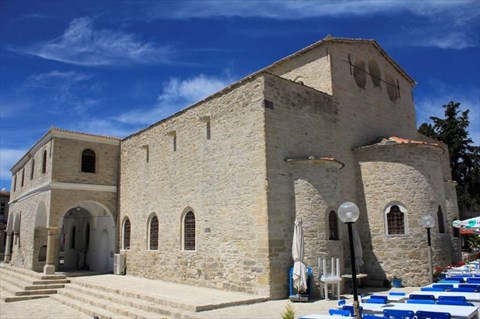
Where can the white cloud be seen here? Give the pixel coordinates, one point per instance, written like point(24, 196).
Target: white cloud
point(299, 9)
point(434, 23)
point(81, 44)
point(8, 157)
point(176, 94)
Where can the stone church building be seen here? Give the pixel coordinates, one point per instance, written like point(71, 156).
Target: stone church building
point(209, 195)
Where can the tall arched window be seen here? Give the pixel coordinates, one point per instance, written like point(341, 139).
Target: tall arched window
point(23, 176)
point(88, 161)
point(395, 221)
point(44, 162)
point(32, 168)
point(440, 219)
point(189, 231)
point(333, 226)
point(153, 234)
point(126, 234)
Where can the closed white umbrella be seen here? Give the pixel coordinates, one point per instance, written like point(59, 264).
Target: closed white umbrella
point(299, 274)
point(357, 244)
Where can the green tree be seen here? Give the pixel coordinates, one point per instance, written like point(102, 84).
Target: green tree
point(464, 156)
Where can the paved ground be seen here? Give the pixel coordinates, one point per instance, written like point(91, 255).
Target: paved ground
point(48, 308)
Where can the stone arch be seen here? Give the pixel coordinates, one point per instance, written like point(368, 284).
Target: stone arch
point(300, 80)
point(91, 251)
point(41, 215)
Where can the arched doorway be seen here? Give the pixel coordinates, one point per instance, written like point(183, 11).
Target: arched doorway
point(87, 238)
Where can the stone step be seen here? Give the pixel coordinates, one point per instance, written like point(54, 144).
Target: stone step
point(32, 273)
point(86, 308)
point(134, 295)
point(8, 293)
point(121, 306)
point(48, 286)
point(25, 279)
point(136, 302)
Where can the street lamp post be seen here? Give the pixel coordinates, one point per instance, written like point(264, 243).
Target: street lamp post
point(348, 213)
point(428, 222)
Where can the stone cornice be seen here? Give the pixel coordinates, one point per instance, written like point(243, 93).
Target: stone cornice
point(64, 186)
point(316, 160)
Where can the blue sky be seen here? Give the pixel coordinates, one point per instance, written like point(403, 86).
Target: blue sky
point(114, 67)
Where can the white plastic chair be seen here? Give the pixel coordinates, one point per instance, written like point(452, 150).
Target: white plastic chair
point(329, 276)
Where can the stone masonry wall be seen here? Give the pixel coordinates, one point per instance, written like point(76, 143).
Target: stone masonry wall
point(411, 176)
point(67, 160)
point(209, 159)
point(25, 251)
point(300, 123)
point(39, 178)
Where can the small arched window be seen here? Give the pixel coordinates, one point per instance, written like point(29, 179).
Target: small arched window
point(23, 176)
point(189, 231)
point(333, 226)
point(126, 234)
point(395, 221)
point(44, 162)
point(440, 219)
point(153, 234)
point(32, 168)
point(88, 161)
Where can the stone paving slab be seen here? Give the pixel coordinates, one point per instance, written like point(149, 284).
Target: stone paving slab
point(200, 297)
point(39, 309)
point(49, 308)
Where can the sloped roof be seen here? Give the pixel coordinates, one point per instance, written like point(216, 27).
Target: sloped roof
point(395, 140)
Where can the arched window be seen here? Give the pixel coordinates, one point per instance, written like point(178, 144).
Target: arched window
point(126, 234)
point(440, 219)
point(33, 168)
point(333, 226)
point(44, 162)
point(153, 234)
point(88, 161)
point(23, 176)
point(395, 221)
point(189, 231)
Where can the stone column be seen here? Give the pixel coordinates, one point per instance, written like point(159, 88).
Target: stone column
point(8, 249)
point(49, 267)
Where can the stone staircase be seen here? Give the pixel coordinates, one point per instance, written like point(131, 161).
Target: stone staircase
point(21, 284)
point(105, 302)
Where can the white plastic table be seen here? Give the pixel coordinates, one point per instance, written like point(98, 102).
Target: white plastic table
point(457, 312)
point(473, 297)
